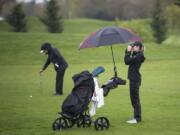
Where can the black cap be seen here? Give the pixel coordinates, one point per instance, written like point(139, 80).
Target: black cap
point(138, 43)
point(45, 46)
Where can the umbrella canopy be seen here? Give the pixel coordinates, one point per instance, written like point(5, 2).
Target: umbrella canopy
point(109, 36)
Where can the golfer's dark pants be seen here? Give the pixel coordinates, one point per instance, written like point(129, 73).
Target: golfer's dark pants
point(59, 81)
point(135, 99)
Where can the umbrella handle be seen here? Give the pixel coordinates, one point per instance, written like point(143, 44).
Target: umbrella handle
point(115, 69)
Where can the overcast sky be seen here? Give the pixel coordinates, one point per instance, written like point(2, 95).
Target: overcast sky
point(37, 1)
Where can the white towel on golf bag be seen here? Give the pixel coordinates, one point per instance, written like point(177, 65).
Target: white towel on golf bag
point(97, 98)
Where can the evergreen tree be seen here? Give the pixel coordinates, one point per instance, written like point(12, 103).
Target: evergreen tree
point(177, 2)
point(159, 23)
point(52, 19)
point(173, 18)
point(17, 19)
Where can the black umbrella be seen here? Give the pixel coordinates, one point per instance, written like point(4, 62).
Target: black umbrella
point(109, 36)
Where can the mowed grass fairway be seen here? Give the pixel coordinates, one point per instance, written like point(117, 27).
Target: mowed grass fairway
point(20, 63)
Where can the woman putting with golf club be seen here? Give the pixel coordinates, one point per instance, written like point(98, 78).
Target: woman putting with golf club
point(59, 62)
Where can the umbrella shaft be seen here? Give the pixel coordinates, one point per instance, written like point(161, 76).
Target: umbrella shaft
point(115, 70)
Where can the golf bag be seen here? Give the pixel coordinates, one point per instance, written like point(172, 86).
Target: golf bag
point(77, 102)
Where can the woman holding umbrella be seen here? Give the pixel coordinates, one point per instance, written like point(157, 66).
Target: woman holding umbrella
point(134, 58)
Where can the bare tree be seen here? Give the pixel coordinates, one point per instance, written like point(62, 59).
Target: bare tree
point(4, 2)
point(30, 7)
point(110, 9)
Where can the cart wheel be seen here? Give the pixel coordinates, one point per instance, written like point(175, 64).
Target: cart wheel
point(70, 123)
point(84, 121)
point(87, 121)
point(60, 123)
point(101, 123)
point(56, 125)
point(79, 121)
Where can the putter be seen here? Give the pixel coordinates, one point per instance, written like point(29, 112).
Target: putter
point(40, 83)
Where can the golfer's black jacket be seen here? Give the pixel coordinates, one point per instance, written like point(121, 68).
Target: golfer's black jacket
point(134, 60)
point(55, 57)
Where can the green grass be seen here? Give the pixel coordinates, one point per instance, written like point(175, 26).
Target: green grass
point(20, 62)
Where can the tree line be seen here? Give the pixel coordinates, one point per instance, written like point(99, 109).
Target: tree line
point(99, 9)
point(164, 13)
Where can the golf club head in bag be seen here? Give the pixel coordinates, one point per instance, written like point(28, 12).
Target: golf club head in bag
point(112, 84)
point(97, 71)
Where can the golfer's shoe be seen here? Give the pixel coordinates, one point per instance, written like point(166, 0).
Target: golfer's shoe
point(132, 121)
point(58, 94)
